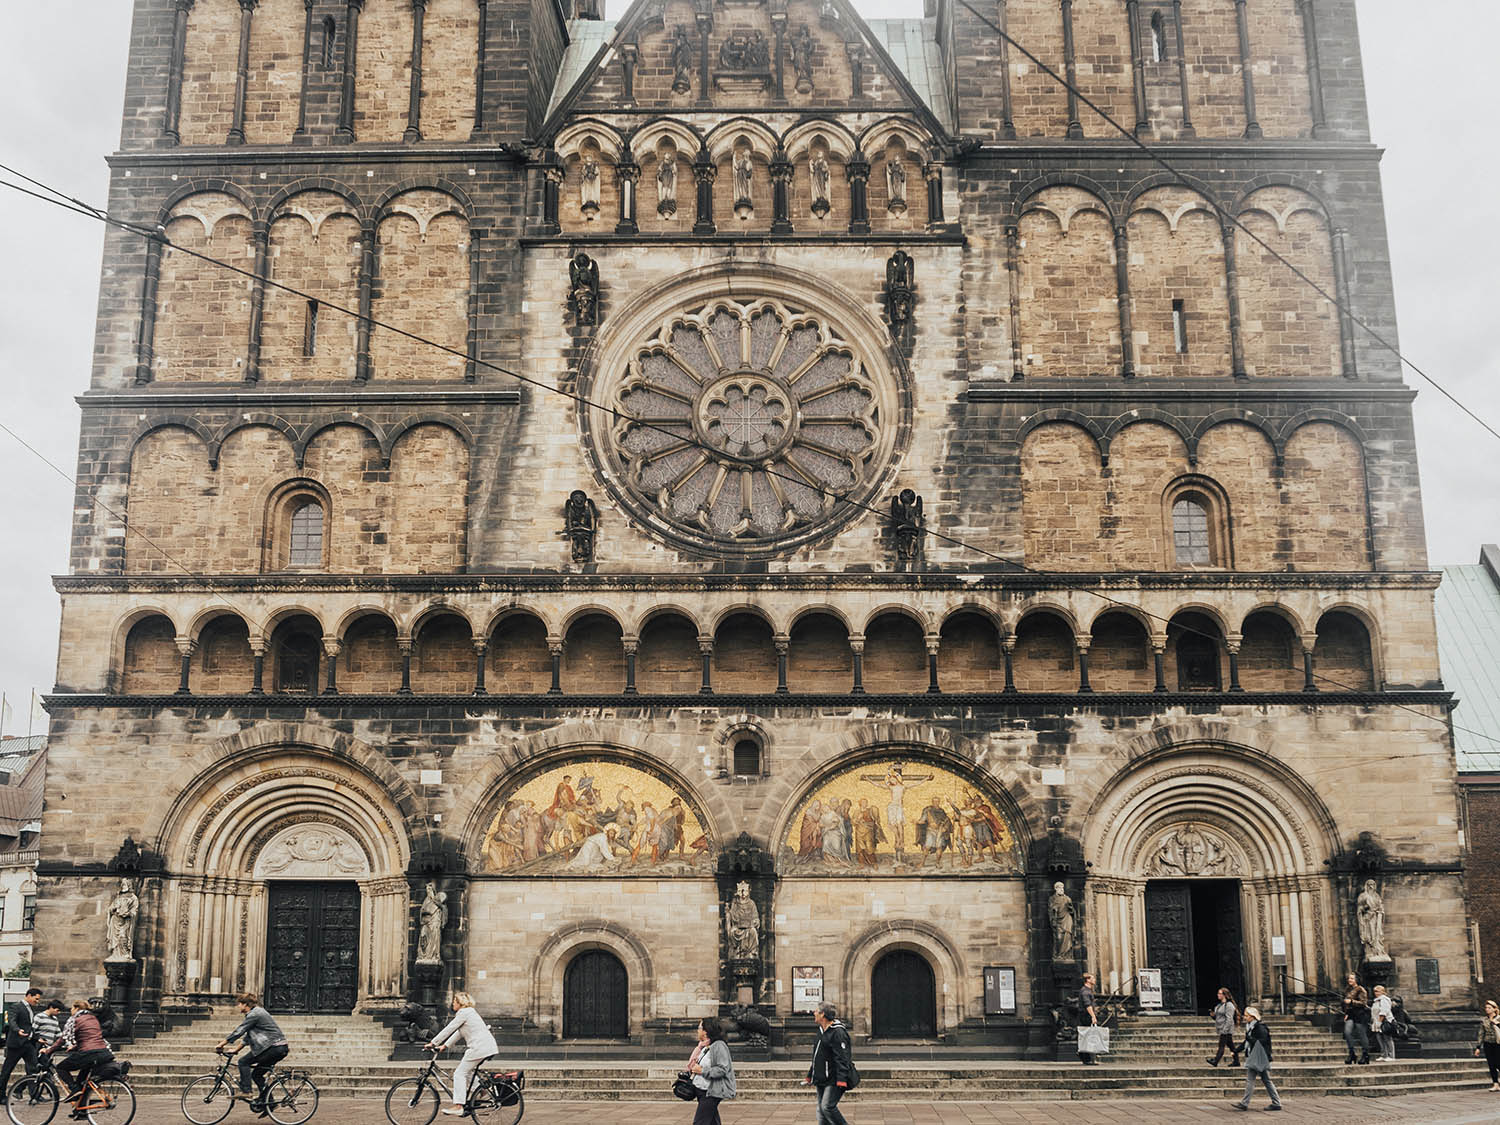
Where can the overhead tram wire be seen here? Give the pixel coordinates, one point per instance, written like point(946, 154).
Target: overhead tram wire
point(1224, 213)
point(60, 199)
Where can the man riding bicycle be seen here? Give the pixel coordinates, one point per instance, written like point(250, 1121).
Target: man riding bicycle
point(267, 1046)
point(84, 1039)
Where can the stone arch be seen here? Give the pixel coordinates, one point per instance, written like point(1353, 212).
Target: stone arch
point(1062, 495)
point(1360, 666)
point(177, 421)
point(398, 430)
point(515, 609)
point(1325, 476)
point(799, 139)
point(143, 664)
point(570, 141)
point(722, 138)
point(685, 137)
point(923, 938)
point(1026, 197)
point(1061, 414)
point(315, 245)
point(724, 614)
point(358, 207)
point(877, 135)
point(202, 185)
point(352, 616)
point(422, 283)
point(661, 609)
point(1179, 284)
point(167, 463)
point(248, 421)
point(557, 952)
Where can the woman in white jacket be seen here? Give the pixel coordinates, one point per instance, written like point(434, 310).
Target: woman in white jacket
point(478, 1042)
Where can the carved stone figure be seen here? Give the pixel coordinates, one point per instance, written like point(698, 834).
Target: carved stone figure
point(581, 524)
point(583, 289)
point(1370, 908)
point(433, 918)
point(742, 925)
point(666, 185)
point(1063, 919)
point(802, 59)
point(312, 850)
point(906, 525)
point(744, 51)
point(821, 181)
point(420, 1025)
point(895, 185)
point(1191, 850)
point(900, 295)
point(682, 60)
point(588, 187)
point(119, 934)
point(744, 169)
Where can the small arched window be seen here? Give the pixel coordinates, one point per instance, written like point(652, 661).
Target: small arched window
point(305, 539)
point(1190, 532)
point(329, 32)
point(1196, 513)
point(747, 758)
point(1158, 38)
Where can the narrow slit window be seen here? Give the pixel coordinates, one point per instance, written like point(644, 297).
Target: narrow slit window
point(1190, 533)
point(1158, 38)
point(329, 31)
point(305, 547)
point(310, 331)
point(1179, 328)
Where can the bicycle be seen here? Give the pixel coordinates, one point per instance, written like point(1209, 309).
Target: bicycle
point(34, 1100)
point(492, 1097)
point(291, 1097)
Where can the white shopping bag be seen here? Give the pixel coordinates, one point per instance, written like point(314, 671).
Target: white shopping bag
point(1093, 1040)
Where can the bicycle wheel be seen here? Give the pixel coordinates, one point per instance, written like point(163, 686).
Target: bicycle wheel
point(31, 1101)
point(207, 1100)
point(411, 1101)
point(118, 1100)
point(499, 1104)
point(291, 1099)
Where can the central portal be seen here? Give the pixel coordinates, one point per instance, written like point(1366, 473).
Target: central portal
point(312, 948)
point(903, 997)
point(595, 997)
point(1193, 936)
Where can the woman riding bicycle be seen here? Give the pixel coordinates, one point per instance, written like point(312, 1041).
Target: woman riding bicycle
point(466, 1025)
point(84, 1039)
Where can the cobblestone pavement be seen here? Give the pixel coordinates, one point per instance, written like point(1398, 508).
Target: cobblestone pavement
point(1467, 1108)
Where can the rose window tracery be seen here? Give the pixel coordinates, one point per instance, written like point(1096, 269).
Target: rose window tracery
point(747, 422)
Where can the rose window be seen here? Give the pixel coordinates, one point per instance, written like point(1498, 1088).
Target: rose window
point(746, 423)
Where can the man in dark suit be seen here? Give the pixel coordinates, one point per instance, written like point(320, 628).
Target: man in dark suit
point(20, 1036)
point(1257, 1060)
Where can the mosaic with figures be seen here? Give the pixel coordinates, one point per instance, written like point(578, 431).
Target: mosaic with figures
point(897, 817)
point(596, 818)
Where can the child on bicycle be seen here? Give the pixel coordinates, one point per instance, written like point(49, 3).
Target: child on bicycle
point(267, 1044)
point(479, 1043)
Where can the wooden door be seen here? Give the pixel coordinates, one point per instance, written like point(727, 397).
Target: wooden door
point(596, 997)
point(1169, 942)
point(312, 948)
point(903, 997)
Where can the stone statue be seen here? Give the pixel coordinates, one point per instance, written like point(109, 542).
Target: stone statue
point(420, 1025)
point(742, 925)
point(588, 187)
point(821, 180)
point(743, 170)
point(119, 934)
point(802, 59)
point(682, 60)
point(581, 524)
point(1061, 915)
point(895, 185)
point(744, 51)
point(433, 918)
point(666, 185)
point(583, 289)
point(900, 296)
point(1371, 910)
point(906, 525)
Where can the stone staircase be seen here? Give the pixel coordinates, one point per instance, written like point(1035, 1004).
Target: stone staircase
point(1154, 1057)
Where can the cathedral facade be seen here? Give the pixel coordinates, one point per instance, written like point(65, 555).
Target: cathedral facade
point(746, 504)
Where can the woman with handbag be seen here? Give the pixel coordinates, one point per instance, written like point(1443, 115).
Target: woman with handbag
point(1488, 1043)
point(713, 1072)
point(1226, 1016)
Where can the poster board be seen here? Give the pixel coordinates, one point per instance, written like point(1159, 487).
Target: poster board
point(1148, 985)
point(807, 987)
point(999, 990)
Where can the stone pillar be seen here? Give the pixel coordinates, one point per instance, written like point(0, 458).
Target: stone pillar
point(481, 650)
point(858, 171)
point(1242, 26)
point(1341, 291)
point(262, 235)
point(366, 301)
point(1008, 653)
point(1082, 644)
point(1070, 68)
point(1159, 661)
point(781, 189)
point(857, 647)
point(120, 974)
point(552, 178)
point(778, 59)
point(1228, 230)
point(405, 644)
point(706, 652)
point(1007, 113)
point(704, 173)
point(1309, 671)
point(629, 59)
point(307, 31)
point(258, 674)
point(1232, 644)
point(1307, 10)
point(345, 131)
point(1182, 72)
point(1138, 67)
point(172, 125)
point(331, 647)
point(555, 647)
point(144, 348)
point(632, 646)
point(1122, 282)
point(1013, 274)
point(483, 36)
point(413, 131)
point(241, 74)
point(932, 172)
point(932, 664)
point(471, 343)
point(627, 177)
point(783, 644)
point(185, 647)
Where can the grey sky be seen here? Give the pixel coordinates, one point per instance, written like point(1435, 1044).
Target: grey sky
point(62, 68)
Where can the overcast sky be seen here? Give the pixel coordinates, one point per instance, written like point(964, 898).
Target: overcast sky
point(62, 67)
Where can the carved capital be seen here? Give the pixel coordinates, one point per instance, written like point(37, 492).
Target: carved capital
point(404, 645)
point(481, 645)
point(857, 643)
point(332, 646)
point(187, 5)
point(249, 5)
point(706, 646)
point(858, 167)
point(186, 645)
point(782, 642)
point(933, 643)
point(259, 646)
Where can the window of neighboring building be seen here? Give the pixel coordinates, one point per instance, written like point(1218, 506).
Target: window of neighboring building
point(2, 913)
point(1190, 532)
point(28, 912)
point(1158, 38)
point(305, 546)
point(747, 758)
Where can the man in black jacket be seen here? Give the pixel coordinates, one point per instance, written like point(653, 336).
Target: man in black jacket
point(832, 1069)
point(1257, 1060)
point(20, 1036)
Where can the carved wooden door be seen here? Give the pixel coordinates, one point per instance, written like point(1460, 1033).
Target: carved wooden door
point(1169, 942)
point(903, 997)
point(595, 997)
point(1230, 940)
point(312, 947)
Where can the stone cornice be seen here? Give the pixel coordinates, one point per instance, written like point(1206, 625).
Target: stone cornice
point(1218, 149)
point(1113, 389)
point(351, 395)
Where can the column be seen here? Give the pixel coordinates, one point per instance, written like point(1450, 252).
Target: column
point(1082, 644)
point(242, 74)
point(857, 646)
point(555, 647)
point(1242, 25)
point(366, 291)
point(413, 131)
point(1187, 129)
point(1232, 644)
point(404, 644)
point(632, 646)
point(932, 171)
point(185, 647)
point(1070, 67)
point(1008, 652)
point(484, 28)
point(629, 58)
point(1013, 274)
point(258, 674)
point(1159, 661)
point(1341, 291)
point(783, 644)
point(481, 650)
point(345, 129)
point(704, 173)
point(1309, 672)
point(1122, 282)
point(307, 30)
point(932, 665)
point(706, 652)
point(1232, 288)
point(1138, 66)
point(778, 60)
point(705, 18)
point(858, 171)
point(627, 177)
point(471, 342)
point(257, 300)
point(1007, 116)
point(144, 354)
point(552, 178)
point(781, 190)
point(171, 125)
point(1306, 9)
point(331, 648)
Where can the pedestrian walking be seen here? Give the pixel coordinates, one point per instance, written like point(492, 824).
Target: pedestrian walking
point(479, 1045)
point(832, 1069)
point(1488, 1043)
point(1356, 1020)
point(1257, 1060)
point(1226, 1017)
point(1087, 1016)
point(1383, 1024)
point(47, 1024)
point(20, 1036)
point(712, 1065)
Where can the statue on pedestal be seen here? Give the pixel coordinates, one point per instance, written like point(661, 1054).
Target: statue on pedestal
point(433, 917)
point(1370, 908)
point(119, 935)
point(742, 925)
point(1061, 915)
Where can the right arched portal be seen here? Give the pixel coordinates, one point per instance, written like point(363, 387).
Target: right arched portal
point(903, 997)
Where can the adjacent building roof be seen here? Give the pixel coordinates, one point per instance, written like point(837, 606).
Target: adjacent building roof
point(585, 37)
point(1468, 631)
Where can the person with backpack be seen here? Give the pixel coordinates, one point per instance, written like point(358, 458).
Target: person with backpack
point(832, 1070)
point(713, 1072)
point(20, 1036)
point(1257, 1060)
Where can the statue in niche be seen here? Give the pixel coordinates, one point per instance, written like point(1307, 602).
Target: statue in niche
point(822, 180)
point(900, 296)
point(1063, 919)
point(666, 185)
point(119, 933)
point(588, 187)
point(742, 925)
point(744, 169)
point(895, 185)
point(907, 526)
point(1370, 908)
point(432, 920)
point(583, 289)
point(745, 51)
point(581, 524)
point(802, 59)
point(682, 60)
